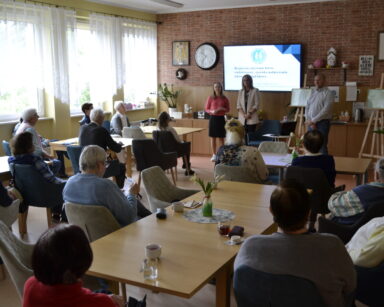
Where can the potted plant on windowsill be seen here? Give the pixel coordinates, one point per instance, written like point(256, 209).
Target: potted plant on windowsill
point(169, 96)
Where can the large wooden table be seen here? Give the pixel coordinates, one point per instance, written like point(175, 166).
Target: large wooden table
point(192, 253)
point(343, 165)
point(5, 173)
point(182, 131)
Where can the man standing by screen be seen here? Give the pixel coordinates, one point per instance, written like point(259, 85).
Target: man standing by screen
point(318, 112)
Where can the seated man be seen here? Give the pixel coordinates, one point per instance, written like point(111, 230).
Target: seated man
point(348, 206)
point(313, 158)
point(95, 134)
point(234, 152)
point(86, 108)
point(319, 258)
point(119, 120)
point(29, 120)
point(89, 188)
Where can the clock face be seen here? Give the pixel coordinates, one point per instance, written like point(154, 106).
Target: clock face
point(206, 56)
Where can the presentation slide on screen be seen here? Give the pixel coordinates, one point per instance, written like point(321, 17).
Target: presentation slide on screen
point(272, 67)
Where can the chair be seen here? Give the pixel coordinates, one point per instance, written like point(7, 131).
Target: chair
point(234, 173)
point(370, 285)
point(96, 221)
point(36, 191)
point(133, 132)
point(256, 288)
point(107, 125)
point(160, 191)
point(147, 154)
point(275, 147)
point(346, 232)
point(268, 126)
point(7, 148)
point(16, 255)
point(314, 179)
point(74, 152)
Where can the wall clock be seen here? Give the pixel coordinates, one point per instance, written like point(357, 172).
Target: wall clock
point(206, 56)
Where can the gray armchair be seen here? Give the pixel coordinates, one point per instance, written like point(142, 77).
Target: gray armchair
point(235, 173)
point(160, 191)
point(16, 255)
point(8, 215)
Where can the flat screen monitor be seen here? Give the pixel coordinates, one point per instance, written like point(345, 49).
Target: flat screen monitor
point(275, 68)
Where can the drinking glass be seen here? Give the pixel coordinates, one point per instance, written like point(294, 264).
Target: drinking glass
point(223, 228)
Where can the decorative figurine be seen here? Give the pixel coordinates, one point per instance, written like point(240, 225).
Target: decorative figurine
point(331, 58)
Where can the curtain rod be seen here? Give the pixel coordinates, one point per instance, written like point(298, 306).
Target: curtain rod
point(91, 11)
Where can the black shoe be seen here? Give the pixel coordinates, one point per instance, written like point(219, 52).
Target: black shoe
point(183, 166)
point(189, 173)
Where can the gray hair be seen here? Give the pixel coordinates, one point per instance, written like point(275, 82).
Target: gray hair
point(379, 168)
point(96, 115)
point(28, 114)
point(91, 156)
point(118, 103)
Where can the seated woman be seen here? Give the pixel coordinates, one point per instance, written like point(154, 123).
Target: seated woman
point(163, 125)
point(60, 258)
point(119, 120)
point(313, 158)
point(236, 154)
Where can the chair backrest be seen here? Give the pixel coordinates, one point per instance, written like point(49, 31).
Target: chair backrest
point(8, 215)
point(256, 288)
point(234, 173)
point(146, 153)
point(74, 152)
point(133, 132)
point(96, 221)
point(107, 125)
point(16, 255)
point(370, 285)
point(157, 184)
point(275, 147)
point(268, 126)
point(314, 179)
point(36, 190)
point(165, 140)
point(6, 148)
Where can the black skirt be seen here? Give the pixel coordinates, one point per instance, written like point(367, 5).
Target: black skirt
point(216, 126)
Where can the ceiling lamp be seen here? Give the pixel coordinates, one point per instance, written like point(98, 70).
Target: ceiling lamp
point(169, 3)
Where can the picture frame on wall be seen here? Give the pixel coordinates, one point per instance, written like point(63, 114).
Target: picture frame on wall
point(180, 53)
point(366, 63)
point(380, 46)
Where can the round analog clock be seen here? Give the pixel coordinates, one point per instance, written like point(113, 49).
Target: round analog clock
point(206, 56)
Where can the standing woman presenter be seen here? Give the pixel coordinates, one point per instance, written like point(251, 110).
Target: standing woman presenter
point(217, 106)
point(247, 104)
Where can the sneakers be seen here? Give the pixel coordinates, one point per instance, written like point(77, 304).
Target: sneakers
point(213, 159)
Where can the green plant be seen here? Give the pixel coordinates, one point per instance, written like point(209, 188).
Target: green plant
point(168, 95)
point(380, 131)
point(209, 186)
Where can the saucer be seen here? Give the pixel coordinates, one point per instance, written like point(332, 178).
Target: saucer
point(229, 242)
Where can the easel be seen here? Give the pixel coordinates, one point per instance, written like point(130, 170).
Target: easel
point(377, 118)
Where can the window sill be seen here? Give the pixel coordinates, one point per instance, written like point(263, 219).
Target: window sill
point(141, 109)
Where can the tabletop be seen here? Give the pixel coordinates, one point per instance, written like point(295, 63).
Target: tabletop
point(192, 253)
point(5, 174)
point(179, 130)
point(62, 144)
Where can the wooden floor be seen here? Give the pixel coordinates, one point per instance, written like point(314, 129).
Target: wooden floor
point(204, 298)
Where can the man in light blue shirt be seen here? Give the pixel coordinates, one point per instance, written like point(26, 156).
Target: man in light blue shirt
point(318, 112)
point(90, 188)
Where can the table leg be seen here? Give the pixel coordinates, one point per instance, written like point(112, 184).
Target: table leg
point(358, 179)
point(184, 137)
point(128, 163)
point(223, 283)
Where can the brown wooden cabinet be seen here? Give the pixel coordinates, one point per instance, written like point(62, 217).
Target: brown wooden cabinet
point(200, 140)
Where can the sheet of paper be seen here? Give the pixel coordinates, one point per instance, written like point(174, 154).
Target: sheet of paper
point(335, 89)
point(351, 91)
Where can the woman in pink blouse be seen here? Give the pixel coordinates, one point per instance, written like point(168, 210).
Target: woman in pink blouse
point(217, 106)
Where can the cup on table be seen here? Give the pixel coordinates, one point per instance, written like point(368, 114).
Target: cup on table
point(178, 206)
point(153, 251)
point(224, 228)
point(235, 239)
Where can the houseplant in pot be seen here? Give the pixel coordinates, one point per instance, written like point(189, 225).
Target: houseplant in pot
point(169, 96)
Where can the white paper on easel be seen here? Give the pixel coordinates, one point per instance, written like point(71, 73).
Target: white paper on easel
point(336, 90)
point(351, 91)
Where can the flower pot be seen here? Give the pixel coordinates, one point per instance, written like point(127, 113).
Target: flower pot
point(171, 111)
point(207, 207)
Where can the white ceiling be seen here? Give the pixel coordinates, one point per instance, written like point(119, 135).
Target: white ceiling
point(196, 5)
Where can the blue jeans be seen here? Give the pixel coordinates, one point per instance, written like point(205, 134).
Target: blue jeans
point(323, 126)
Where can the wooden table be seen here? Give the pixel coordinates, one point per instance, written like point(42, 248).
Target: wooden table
point(5, 173)
point(182, 131)
point(343, 165)
point(192, 253)
point(127, 144)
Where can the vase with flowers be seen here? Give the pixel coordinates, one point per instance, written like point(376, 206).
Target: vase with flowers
point(207, 188)
point(297, 141)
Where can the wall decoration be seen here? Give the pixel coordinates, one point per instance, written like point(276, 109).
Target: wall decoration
point(366, 65)
point(380, 46)
point(206, 56)
point(181, 74)
point(180, 53)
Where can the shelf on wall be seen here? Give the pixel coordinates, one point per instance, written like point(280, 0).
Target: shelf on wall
point(331, 68)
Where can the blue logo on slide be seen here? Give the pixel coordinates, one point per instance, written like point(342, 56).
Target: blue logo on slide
point(259, 56)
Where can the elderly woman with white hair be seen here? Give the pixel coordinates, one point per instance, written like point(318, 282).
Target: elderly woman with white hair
point(30, 118)
point(235, 153)
point(90, 188)
point(348, 206)
point(119, 120)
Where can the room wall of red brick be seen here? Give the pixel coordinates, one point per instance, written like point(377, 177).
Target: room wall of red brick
point(349, 26)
